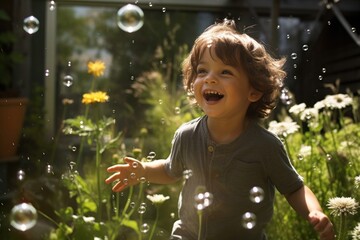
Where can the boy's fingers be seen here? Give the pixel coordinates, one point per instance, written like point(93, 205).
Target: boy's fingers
point(113, 177)
point(114, 168)
point(118, 187)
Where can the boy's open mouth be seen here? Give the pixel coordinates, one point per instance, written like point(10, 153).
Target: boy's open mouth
point(211, 95)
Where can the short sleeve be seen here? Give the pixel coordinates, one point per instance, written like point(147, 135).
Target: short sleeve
point(174, 163)
point(281, 172)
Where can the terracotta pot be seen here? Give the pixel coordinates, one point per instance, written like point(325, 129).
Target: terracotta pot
point(12, 113)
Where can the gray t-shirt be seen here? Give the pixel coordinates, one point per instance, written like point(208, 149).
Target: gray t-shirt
point(229, 172)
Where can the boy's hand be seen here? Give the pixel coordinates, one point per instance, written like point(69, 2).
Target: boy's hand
point(126, 174)
point(322, 225)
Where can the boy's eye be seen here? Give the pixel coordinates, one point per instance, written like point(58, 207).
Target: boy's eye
point(226, 72)
point(200, 71)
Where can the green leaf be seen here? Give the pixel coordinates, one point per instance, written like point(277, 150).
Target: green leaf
point(131, 224)
point(112, 143)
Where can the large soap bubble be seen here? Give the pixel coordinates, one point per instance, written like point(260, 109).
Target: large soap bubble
point(31, 25)
point(23, 216)
point(130, 18)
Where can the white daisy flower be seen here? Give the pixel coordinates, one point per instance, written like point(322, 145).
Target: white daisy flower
point(283, 128)
point(157, 199)
point(342, 206)
point(297, 109)
point(337, 101)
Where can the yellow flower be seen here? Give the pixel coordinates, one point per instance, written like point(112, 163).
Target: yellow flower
point(95, 97)
point(96, 68)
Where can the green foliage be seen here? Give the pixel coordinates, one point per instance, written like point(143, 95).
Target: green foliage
point(326, 153)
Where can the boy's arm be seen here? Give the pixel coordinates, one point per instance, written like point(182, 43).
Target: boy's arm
point(135, 171)
point(305, 203)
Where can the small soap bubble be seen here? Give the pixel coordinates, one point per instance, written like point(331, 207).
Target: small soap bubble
point(172, 215)
point(323, 70)
point(300, 157)
point(177, 110)
point(353, 29)
point(293, 56)
point(163, 9)
point(47, 72)
point(150, 4)
point(72, 165)
point(132, 204)
point(152, 155)
point(132, 175)
point(145, 228)
point(320, 77)
point(20, 175)
point(142, 179)
point(256, 194)
point(142, 209)
point(31, 24)
point(23, 216)
point(68, 80)
point(328, 157)
point(249, 220)
point(125, 181)
point(130, 18)
point(308, 31)
point(52, 5)
point(135, 164)
point(305, 47)
point(49, 169)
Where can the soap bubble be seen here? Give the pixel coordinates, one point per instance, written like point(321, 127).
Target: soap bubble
point(49, 169)
point(20, 175)
point(23, 216)
point(305, 47)
point(293, 56)
point(256, 194)
point(249, 220)
point(142, 209)
point(68, 80)
point(52, 5)
point(31, 25)
point(145, 228)
point(130, 18)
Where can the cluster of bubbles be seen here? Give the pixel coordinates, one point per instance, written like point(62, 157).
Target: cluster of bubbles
point(202, 200)
point(285, 97)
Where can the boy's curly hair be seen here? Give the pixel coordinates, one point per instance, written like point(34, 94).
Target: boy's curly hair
point(240, 51)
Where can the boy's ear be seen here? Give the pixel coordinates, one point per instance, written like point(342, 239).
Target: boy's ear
point(255, 95)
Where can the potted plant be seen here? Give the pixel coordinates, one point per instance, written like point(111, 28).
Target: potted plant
point(12, 105)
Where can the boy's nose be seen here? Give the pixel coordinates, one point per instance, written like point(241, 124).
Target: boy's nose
point(210, 79)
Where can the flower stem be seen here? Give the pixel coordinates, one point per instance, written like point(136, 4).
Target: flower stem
point(200, 224)
point(51, 220)
point(155, 223)
point(342, 228)
point(98, 159)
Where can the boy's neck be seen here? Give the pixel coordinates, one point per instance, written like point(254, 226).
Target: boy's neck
point(224, 131)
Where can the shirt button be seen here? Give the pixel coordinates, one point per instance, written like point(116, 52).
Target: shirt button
point(211, 149)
